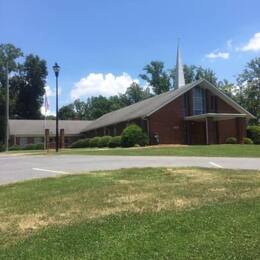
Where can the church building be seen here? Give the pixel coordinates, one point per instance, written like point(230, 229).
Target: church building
point(194, 113)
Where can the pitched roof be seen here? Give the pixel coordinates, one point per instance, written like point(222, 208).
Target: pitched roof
point(148, 106)
point(36, 127)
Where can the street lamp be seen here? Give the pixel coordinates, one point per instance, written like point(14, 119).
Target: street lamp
point(56, 69)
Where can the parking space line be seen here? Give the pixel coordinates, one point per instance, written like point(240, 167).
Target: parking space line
point(46, 170)
point(216, 165)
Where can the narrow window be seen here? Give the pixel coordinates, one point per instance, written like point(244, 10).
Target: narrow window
point(198, 98)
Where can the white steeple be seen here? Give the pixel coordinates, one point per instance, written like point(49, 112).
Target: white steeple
point(180, 81)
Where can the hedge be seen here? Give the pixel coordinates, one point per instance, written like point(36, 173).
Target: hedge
point(104, 141)
point(27, 147)
point(94, 142)
point(115, 142)
point(82, 143)
point(253, 132)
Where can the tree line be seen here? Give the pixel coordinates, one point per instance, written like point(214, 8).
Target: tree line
point(28, 78)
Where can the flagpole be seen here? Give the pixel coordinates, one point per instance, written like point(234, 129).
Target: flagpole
point(45, 112)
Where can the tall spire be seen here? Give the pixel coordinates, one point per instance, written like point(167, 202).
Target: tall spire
point(180, 81)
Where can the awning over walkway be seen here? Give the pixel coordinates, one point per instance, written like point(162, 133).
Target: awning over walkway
point(214, 116)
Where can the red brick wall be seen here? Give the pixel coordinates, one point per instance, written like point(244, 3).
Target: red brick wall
point(168, 122)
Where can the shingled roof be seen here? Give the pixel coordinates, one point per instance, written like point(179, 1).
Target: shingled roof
point(36, 127)
point(148, 106)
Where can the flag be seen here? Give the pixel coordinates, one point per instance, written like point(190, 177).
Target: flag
point(46, 104)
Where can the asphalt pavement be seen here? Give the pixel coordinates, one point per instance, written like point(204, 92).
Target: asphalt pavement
point(14, 168)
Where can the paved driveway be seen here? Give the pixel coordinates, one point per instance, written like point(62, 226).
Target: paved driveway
point(18, 168)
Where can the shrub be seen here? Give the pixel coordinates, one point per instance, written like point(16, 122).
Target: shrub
point(93, 142)
point(133, 135)
point(82, 143)
point(15, 148)
point(104, 141)
point(247, 140)
point(253, 132)
point(115, 142)
point(33, 147)
point(231, 140)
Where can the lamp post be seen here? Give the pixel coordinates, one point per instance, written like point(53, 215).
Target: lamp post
point(56, 69)
point(7, 110)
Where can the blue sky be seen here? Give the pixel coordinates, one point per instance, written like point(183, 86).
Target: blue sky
point(103, 45)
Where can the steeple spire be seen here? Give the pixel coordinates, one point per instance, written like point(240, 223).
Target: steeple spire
point(180, 81)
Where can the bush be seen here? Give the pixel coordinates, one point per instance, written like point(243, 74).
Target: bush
point(33, 147)
point(231, 140)
point(104, 141)
point(82, 143)
point(247, 140)
point(253, 132)
point(133, 135)
point(115, 142)
point(15, 148)
point(93, 142)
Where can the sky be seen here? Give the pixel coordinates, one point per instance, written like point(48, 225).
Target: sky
point(102, 46)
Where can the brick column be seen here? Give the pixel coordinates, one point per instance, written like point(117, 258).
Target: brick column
point(47, 136)
point(241, 129)
point(61, 138)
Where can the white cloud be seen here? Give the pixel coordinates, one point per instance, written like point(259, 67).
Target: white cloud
point(101, 84)
point(218, 55)
point(253, 43)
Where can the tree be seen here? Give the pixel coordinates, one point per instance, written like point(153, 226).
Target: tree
point(228, 88)
point(8, 56)
point(157, 77)
point(135, 93)
point(249, 87)
point(29, 86)
point(67, 112)
point(192, 73)
point(98, 106)
point(207, 74)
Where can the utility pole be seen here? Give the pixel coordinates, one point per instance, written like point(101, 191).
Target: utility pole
point(7, 109)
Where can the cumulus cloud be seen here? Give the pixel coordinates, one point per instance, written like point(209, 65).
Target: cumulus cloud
point(218, 55)
point(101, 84)
point(253, 43)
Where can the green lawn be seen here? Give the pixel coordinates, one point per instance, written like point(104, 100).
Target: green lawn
point(226, 150)
point(146, 213)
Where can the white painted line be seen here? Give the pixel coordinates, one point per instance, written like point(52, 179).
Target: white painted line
point(46, 170)
point(216, 165)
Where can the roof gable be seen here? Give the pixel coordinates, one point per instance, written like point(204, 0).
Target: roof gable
point(149, 106)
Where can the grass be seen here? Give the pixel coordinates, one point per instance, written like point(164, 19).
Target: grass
point(225, 150)
point(161, 213)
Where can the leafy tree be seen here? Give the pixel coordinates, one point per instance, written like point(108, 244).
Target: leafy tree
point(135, 93)
point(67, 112)
point(228, 88)
point(249, 87)
point(30, 87)
point(8, 56)
point(157, 77)
point(207, 74)
point(192, 73)
point(98, 106)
